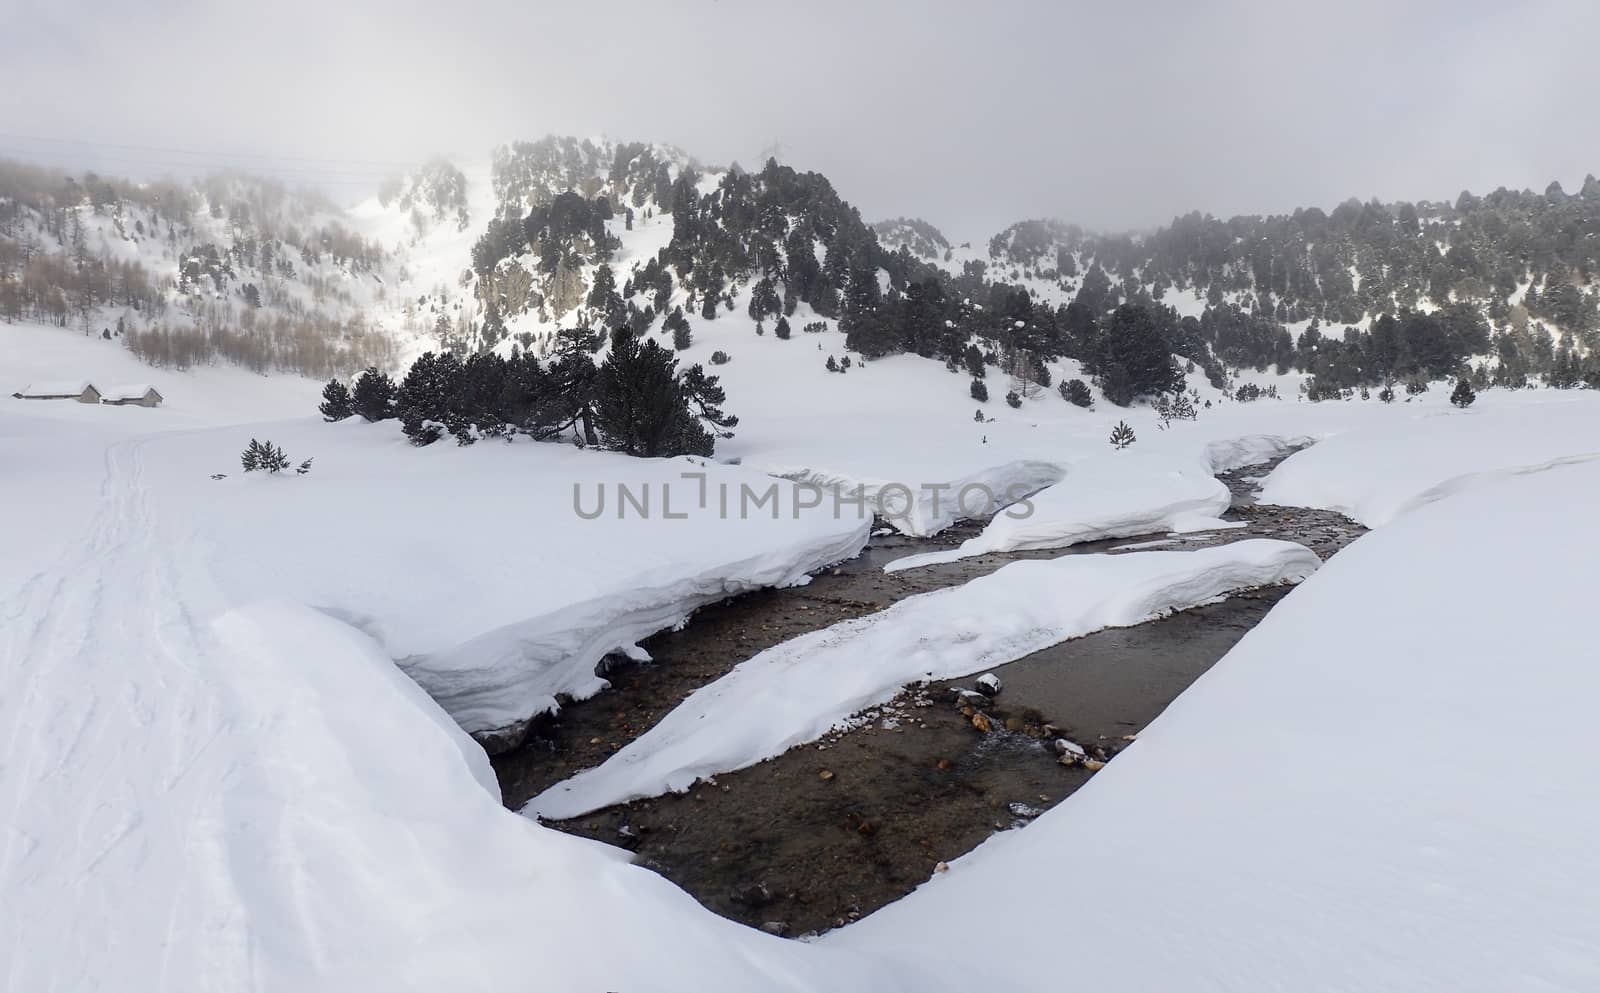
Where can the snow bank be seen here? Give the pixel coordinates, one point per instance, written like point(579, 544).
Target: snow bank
point(220, 821)
point(794, 692)
point(1116, 495)
point(1387, 785)
point(1228, 454)
point(1374, 475)
point(516, 672)
point(922, 507)
point(199, 793)
point(480, 568)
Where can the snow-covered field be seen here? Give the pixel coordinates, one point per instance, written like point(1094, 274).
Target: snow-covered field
point(214, 776)
point(1379, 472)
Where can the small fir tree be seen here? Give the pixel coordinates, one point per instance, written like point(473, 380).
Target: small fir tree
point(336, 403)
point(974, 361)
point(1464, 394)
point(1013, 399)
point(1076, 392)
point(264, 456)
point(979, 391)
point(1122, 436)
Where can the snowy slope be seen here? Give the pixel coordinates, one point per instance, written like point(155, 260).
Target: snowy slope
point(204, 797)
point(1329, 807)
point(1378, 473)
point(213, 778)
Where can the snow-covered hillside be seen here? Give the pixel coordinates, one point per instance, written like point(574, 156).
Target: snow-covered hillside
point(503, 251)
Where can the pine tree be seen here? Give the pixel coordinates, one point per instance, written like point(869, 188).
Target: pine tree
point(264, 457)
point(374, 393)
point(1076, 392)
point(1386, 394)
point(644, 406)
point(1183, 408)
point(637, 407)
point(494, 326)
point(977, 415)
point(1122, 436)
point(604, 301)
point(336, 404)
point(979, 392)
point(782, 329)
point(1463, 396)
point(426, 398)
point(682, 337)
point(833, 364)
point(568, 398)
point(764, 299)
point(974, 362)
point(272, 457)
point(1133, 356)
point(1013, 399)
point(703, 397)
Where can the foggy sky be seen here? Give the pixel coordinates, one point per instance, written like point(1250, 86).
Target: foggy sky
point(971, 115)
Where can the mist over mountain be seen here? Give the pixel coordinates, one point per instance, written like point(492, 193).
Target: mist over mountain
point(567, 232)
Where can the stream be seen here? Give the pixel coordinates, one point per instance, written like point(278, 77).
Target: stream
point(832, 830)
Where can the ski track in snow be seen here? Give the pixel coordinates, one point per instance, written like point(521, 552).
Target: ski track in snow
point(112, 603)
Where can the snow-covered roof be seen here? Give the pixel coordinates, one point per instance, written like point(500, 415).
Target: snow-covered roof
point(63, 388)
point(128, 391)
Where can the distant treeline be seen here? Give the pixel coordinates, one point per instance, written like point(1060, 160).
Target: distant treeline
point(636, 401)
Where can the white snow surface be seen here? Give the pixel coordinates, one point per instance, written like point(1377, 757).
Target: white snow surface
point(517, 671)
point(924, 508)
point(54, 388)
point(1375, 474)
point(1387, 785)
point(212, 776)
point(262, 801)
point(1104, 496)
point(796, 691)
point(472, 565)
